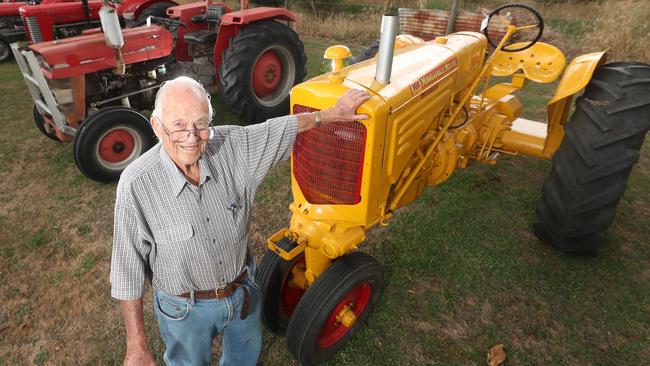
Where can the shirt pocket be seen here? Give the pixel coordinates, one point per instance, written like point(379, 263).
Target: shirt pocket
point(177, 233)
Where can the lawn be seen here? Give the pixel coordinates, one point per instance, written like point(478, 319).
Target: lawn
point(463, 269)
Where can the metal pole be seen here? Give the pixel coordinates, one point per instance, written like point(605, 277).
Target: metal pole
point(452, 16)
point(389, 30)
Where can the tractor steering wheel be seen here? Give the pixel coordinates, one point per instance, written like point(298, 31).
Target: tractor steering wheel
point(506, 14)
point(167, 22)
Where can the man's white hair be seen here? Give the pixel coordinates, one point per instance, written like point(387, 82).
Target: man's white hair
point(181, 80)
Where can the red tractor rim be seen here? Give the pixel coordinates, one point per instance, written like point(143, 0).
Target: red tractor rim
point(267, 74)
point(357, 299)
point(116, 146)
point(290, 295)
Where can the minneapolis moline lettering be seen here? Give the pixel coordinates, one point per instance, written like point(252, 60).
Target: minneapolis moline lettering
point(432, 76)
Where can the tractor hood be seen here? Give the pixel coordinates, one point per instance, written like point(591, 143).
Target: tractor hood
point(418, 68)
point(89, 53)
point(9, 9)
point(62, 12)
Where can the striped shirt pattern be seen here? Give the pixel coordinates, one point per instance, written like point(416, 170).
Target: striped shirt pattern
point(189, 237)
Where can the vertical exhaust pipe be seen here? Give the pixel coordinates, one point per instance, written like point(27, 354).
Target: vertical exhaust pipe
point(389, 30)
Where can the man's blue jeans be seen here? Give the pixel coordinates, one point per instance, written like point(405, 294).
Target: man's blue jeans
point(189, 328)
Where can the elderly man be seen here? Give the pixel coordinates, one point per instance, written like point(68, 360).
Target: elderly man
point(182, 215)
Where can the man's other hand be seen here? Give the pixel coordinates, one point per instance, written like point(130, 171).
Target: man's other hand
point(138, 356)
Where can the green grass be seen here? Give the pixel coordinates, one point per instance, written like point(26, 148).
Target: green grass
point(571, 28)
point(463, 269)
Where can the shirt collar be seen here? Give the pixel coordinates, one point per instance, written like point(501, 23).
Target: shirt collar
point(176, 177)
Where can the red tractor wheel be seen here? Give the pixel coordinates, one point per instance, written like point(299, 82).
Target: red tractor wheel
point(334, 308)
point(5, 51)
point(264, 61)
point(279, 296)
point(109, 140)
point(40, 124)
point(157, 10)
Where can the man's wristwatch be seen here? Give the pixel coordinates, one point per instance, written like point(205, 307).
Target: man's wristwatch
point(317, 119)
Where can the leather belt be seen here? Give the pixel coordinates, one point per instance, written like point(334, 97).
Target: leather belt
point(224, 291)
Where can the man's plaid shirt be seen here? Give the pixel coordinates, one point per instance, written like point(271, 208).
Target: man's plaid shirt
point(193, 238)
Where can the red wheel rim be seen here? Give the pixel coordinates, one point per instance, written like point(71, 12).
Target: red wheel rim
point(290, 295)
point(357, 299)
point(116, 146)
point(267, 74)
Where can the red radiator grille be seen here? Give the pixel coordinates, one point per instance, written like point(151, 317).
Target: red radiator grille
point(328, 161)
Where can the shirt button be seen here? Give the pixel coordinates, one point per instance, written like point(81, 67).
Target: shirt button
point(208, 219)
point(219, 262)
point(214, 241)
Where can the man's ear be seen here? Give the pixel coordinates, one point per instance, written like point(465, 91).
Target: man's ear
point(155, 126)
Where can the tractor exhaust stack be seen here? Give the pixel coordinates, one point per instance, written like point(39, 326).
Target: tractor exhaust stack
point(113, 34)
point(389, 30)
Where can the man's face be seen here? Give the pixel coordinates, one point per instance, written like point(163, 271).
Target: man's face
point(183, 109)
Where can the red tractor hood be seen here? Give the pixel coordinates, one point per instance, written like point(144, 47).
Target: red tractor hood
point(8, 9)
point(63, 12)
point(89, 53)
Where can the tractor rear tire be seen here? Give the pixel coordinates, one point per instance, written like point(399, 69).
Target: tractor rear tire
point(279, 299)
point(39, 121)
point(593, 163)
point(355, 281)
point(157, 10)
point(5, 51)
point(109, 140)
point(261, 65)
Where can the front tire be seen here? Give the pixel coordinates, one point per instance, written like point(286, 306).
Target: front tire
point(109, 140)
point(5, 51)
point(352, 285)
point(592, 165)
point(279, 296)
point(261, 65)
point(39, 121)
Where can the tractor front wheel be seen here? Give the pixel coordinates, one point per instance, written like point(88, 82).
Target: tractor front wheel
point(592, 165)
point(39, 121)
point(280, 294)
point(259, 68)
point(334, 307)
point(5, 51)
point(109, 140)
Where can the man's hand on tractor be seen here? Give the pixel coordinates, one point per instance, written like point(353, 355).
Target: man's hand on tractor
point(343, 111)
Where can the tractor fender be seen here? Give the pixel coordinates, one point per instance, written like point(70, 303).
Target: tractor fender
point(131, 9)
point(233, 21)
point(576, 77)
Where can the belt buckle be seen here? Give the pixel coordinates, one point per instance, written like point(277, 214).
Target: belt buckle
point(220, 288)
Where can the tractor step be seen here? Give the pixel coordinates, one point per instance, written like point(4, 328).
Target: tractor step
point(530, 127)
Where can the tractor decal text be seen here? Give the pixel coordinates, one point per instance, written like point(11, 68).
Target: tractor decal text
point(433, 76)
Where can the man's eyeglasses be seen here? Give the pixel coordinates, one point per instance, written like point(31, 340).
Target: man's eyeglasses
point(183, 135)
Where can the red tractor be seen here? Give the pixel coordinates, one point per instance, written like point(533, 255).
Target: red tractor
point(11, 25)
point(46, 20)
point(89, 89)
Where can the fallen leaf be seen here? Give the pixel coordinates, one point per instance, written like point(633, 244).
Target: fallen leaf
point(496, 355)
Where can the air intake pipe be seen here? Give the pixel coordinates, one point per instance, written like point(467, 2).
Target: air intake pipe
point(389, 30)
point(113, 34)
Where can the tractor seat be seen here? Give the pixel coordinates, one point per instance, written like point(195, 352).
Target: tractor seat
point(541, 63)
point(213, 14)
point(204, 37)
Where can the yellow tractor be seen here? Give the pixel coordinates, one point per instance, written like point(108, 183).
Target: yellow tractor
point(435, 107)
